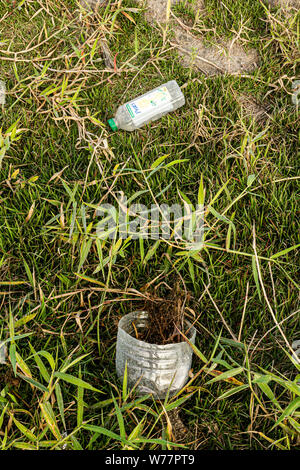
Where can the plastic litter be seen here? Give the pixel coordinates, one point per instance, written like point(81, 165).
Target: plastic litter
point(3, 353)
point(148, 107)
point(156, 369)
point(2, 92)
point(296, 355)
point(296, 348)
point(65, 445)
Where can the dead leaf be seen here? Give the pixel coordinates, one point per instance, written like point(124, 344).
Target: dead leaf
point(62, 217)
point(29, 215)
point(58, 174)
point(128, 16)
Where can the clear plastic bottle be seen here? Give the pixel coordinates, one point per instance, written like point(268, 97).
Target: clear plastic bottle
point(148, 107)
point(152, 368)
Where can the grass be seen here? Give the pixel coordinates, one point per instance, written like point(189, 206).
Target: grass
point(62, 291)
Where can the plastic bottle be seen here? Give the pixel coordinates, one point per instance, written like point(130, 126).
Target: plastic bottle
point(152, 368)
point(148, 107)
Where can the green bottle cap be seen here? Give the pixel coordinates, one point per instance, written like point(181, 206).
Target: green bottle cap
point(113, 124)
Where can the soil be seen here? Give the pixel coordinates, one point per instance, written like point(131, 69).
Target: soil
point(284, 3)
point(250, 107)
point(228, 57)
point(179, 430)
point(165, 319)
point(92, 4)
point(156, 9)
point(7, 377)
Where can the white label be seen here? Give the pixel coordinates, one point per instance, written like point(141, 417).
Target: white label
point(150, 103)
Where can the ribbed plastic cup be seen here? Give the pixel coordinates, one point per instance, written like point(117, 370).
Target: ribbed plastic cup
point(156, 369)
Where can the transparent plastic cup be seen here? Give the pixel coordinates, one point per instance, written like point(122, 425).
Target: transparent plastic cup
point(157, 369)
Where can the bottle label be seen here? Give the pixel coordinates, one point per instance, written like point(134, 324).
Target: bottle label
point(150, 103)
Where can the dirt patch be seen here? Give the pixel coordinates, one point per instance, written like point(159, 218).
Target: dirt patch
point(156, 10)
point(91, 4)
point(251, 108)
point(228, 57)
point(179, 430)
point(284, 3)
